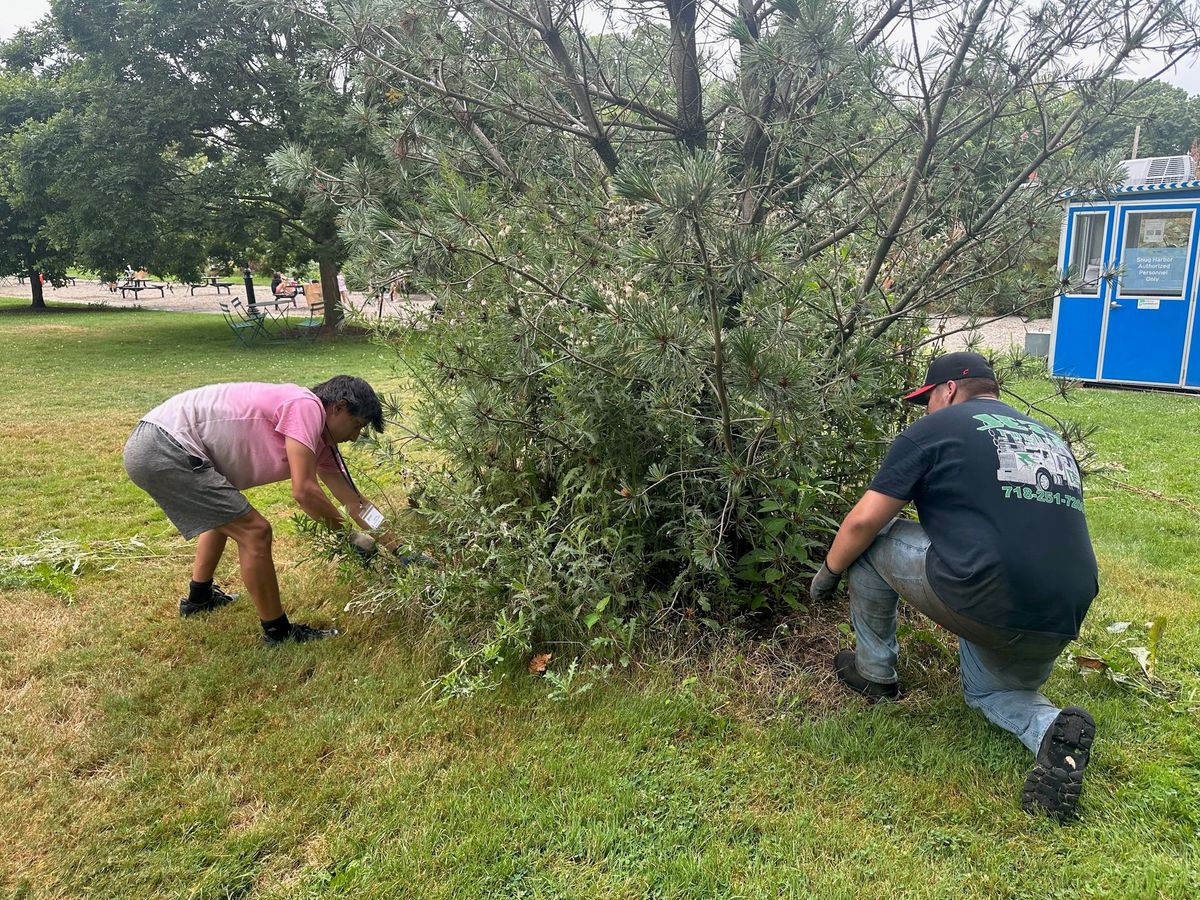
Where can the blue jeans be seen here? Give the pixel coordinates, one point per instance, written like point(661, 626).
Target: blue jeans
point(1002, 669)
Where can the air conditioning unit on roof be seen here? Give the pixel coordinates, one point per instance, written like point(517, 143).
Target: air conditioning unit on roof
point(1159, 170)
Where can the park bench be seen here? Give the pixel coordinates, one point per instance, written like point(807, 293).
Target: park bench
point(66, 279)
point(227, 286)
point(288, 293)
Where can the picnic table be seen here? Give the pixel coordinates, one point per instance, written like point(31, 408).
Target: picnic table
point(137, 285)
point(211, 281)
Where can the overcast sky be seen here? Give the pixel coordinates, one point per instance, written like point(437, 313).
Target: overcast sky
point(16, 13)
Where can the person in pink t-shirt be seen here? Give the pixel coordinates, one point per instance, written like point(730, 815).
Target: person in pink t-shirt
point(196, 452)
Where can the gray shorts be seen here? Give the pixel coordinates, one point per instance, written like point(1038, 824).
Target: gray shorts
point(194, 495)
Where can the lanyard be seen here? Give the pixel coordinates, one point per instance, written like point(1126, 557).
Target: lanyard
point(345, 469)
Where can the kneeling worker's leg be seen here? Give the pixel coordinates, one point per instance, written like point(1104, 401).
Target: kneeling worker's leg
point(1004, 686)
point(1006, 689)
point(873, 606)
point(894, 563)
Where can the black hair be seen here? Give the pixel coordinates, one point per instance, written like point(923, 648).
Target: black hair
point(361, 399)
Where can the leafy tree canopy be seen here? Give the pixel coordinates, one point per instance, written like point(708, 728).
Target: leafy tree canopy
point(168, 112)
point(1169, 120)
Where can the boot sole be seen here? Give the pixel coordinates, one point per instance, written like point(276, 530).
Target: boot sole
point(1054, 784)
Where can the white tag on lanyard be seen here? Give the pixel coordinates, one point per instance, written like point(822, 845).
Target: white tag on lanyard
point(372, 516)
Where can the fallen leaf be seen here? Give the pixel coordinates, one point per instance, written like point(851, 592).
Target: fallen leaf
point(1118, 627)
point(537, 665)
point(1090, 662)
point(1142, 655)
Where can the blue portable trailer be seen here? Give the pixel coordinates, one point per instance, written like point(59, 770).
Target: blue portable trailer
point(1127, 314)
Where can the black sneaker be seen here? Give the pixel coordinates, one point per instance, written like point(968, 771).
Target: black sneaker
point(219, 598)
point(1054, 783)
point(300, 634)
point(847, 673)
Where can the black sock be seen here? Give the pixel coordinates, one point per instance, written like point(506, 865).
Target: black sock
point(277, 628)
point(200, 591)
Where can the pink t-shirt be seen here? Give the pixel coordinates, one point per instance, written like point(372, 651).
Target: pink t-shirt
point(241, 428)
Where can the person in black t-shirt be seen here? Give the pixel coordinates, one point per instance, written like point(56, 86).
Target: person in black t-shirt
point(1001, 557)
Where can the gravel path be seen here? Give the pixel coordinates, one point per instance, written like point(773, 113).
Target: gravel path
point(1001, 334)
point(205, 300)
point(998, 335)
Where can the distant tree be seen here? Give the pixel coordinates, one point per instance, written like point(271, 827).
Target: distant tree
point(29, 244)
point(171, 109)
point(1168, 117)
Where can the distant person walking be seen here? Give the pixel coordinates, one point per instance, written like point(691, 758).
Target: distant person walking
point(343, 291)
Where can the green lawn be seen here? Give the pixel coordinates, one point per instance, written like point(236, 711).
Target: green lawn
point(141, 755)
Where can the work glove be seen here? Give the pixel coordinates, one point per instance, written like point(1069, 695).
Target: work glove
point(364, 545)
point(824, 584)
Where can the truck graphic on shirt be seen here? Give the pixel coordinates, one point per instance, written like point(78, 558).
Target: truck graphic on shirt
point(1044, 467)
point(1031, 454)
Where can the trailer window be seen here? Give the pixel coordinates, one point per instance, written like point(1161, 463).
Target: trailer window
point(1086, 261)
point(1156, 252)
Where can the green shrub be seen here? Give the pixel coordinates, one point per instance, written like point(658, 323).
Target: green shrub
point(635, 438)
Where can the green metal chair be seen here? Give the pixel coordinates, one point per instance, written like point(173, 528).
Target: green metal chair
point(248, 329)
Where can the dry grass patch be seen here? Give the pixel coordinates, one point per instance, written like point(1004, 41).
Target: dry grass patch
point(1153, 592)
point(47, 729)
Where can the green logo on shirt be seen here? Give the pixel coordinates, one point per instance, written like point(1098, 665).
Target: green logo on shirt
point(1030, 454)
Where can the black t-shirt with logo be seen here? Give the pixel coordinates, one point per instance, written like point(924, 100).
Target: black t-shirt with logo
point(999, 495)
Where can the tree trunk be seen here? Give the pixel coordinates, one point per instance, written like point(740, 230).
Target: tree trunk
point(329, 290)
point(685, 72)
point(35, 284)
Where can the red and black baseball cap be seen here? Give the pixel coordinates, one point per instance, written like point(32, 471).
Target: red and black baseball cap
point(951, 367)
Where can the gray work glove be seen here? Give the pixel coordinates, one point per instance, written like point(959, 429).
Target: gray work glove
point(824, 584)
